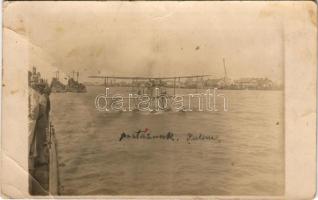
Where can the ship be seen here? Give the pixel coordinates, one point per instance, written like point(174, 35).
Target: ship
point(42, 158)
point(56, 85)
point(72, 85)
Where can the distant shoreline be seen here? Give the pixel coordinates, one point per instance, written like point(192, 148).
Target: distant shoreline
point(274, 89)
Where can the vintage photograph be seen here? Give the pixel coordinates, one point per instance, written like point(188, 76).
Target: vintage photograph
point(154, 98)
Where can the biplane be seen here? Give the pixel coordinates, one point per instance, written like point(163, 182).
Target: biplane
point(151, 83)
point(154, 87)
point(157, 82)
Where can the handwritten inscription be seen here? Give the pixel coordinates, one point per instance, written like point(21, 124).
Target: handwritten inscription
point(201, 137)
point(146, 134)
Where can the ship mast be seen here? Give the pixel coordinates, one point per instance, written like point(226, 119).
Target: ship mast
point(225, 73)
point(57, 75)
point(73, 72)
point(77, 74)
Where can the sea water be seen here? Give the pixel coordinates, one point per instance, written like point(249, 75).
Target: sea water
point(247, 158)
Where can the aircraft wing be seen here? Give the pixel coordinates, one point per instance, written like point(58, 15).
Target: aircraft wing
point(147, 78)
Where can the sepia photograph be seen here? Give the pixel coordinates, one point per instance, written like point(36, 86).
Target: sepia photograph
point(154, 98)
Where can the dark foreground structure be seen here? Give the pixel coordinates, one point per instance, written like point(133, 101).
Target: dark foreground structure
point(42, 148)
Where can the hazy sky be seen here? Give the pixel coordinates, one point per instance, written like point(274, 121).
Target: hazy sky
point(155, 38)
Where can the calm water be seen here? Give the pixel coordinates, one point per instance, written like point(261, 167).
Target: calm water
point(248, 160)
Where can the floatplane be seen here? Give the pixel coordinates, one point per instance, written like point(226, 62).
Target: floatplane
point(151, 94)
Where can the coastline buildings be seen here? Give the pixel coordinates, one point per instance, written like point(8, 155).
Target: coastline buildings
point(248, 83)
point(220, 83)
point(255, 84)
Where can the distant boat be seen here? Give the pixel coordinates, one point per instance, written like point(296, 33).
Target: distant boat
point(75, 86)
point(72, 85)
point(57, 86)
